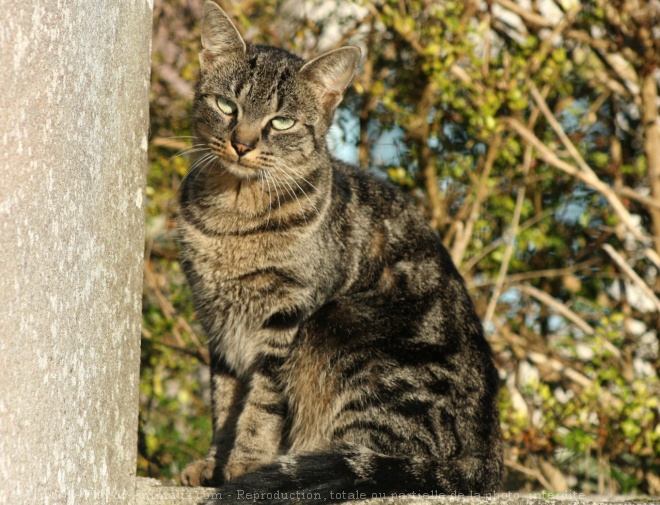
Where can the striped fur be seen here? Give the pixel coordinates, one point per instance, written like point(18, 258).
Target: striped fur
point(346, 353)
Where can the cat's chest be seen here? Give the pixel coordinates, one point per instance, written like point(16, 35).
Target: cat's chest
point(230, 257)
point(240, 284)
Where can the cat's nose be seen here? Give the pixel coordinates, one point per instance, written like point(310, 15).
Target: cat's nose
point(242, 149)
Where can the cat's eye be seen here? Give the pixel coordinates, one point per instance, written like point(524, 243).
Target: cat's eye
point(282, 123)
point(226, 106)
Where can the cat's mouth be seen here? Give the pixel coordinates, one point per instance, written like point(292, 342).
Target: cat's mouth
point(242, 168)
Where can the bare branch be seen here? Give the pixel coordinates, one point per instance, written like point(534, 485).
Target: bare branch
point(593, 179)
point(562, 309)
point(169, 311)
point(464, 234)
point(541, 359)
point(590, 179)
point(651, 125)
point(632, 275)
point(634, 195)
point(653, 256)
point(170, 143)
point(508, 252)
point(536, 473)
point(177, 83)
point(530, 17)
point(472, 262)
point(538, 274)
point(547, 44)
point(369, 100)
point(418, 130)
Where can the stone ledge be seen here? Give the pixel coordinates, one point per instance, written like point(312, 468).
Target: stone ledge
point(155, 492)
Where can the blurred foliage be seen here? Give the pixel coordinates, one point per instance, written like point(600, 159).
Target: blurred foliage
point(518, 131)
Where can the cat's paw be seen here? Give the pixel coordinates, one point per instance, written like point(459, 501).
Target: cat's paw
point(235, 469)
point(200, 473)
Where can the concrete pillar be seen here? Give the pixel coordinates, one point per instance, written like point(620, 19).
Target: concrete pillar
point(74, 80)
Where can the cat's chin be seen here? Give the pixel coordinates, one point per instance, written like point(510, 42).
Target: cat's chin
point(242, 171)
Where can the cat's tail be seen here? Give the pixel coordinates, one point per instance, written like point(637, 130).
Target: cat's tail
point(358, 473)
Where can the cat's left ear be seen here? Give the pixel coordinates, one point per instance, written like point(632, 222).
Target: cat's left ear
point(219, 35)
point(331, 73)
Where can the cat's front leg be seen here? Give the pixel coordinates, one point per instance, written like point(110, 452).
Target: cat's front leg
point(227, 394)
point(259, 428)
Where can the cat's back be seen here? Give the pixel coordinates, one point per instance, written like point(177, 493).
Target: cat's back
point(374, 194)
point(386, 230)
point(403, 325)
point(405, 283)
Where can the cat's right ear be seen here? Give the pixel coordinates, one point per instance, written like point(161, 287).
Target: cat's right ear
point(220, 37)
point(331, 74)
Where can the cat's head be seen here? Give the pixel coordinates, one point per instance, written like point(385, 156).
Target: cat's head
point(258, 105)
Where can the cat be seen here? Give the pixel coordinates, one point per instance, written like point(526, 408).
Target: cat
point(345, 351)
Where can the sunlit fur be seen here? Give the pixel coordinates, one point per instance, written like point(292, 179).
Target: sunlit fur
point(346, 353)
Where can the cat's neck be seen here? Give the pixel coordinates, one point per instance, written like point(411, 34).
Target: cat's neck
point(226, 203)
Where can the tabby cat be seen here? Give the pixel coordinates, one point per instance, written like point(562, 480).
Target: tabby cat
point(346, 354)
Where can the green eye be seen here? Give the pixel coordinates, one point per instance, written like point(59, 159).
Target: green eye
point(282, 123)
point(226, 106)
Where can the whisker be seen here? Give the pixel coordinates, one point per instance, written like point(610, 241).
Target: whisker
point(261, 178)
point(270, 199)
point(299, 187)
point(198, 166)
point(303, 192)
point(195, 148)
point(292, 192)
point(298, 174)
point(199, 162)
point(194, 167)
point(211, 161)
point(279, 203)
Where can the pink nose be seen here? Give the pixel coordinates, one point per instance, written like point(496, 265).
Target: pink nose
point(241, 149)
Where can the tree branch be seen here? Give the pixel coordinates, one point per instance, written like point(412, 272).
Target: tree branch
point(512, 232)
point(632, 275)
point(418, 130)
point(651, 126)
point(562, 309)
point(472, 262)
point(464, 234)
point(590, 179)
point(652, 203)
point(530, 17)
point(538, 274)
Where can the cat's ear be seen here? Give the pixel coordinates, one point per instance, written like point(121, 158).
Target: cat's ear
point(219, 35)
point(331, 73)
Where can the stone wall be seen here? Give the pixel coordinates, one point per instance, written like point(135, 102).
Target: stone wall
point(74, 84)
